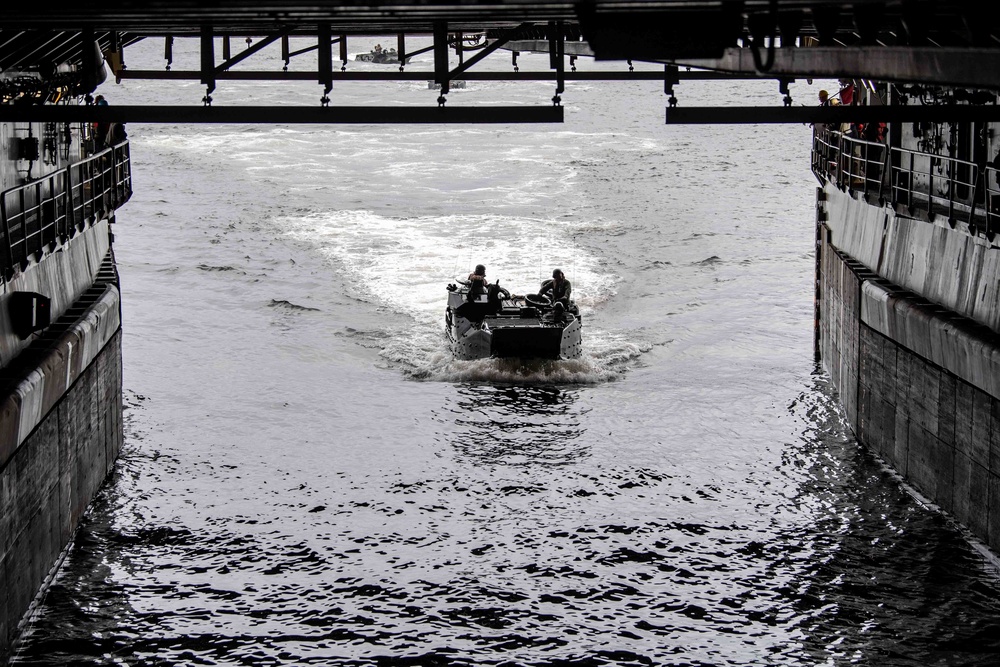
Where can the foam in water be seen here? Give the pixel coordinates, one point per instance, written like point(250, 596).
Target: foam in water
point(405, 263)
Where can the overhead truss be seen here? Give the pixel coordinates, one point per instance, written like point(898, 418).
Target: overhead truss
point(942, 42)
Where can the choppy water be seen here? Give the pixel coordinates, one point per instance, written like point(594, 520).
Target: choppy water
point(309, 478)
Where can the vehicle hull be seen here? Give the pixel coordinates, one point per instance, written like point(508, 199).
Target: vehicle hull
point(510, 329)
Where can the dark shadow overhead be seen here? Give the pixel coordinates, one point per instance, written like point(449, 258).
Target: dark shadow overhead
point(943, 37)
point(868, 21)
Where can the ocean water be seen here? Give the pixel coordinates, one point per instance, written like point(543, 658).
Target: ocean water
point(309, 478)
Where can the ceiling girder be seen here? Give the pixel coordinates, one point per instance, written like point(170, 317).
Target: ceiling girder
point(973, 67)
point(943, 42)
point(833, 115)
point(423, 75)
point(249, 51)
point(281, 114)
point(495, 45)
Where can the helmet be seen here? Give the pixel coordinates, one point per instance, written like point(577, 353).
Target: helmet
point(480, 270)
point(557, 273)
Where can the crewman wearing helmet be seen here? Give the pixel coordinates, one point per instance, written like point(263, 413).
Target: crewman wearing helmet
point(477, 282)
point(558, 289)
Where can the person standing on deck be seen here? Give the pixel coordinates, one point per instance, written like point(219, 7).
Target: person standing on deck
point(846, 93)
point(101, 129)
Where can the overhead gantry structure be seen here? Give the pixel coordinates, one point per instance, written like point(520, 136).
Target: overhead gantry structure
point(49, 52)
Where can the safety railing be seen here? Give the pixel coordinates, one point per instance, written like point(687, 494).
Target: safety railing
point(991, 185)
point(862, 165)
point(849, 163)
point(826, 152)
point(935, 184)
point(40, 215)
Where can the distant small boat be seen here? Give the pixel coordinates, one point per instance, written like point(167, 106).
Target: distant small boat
point(382, 57)
point(459, 83)
point(497, 324)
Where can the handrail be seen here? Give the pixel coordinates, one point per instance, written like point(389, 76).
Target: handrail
point(934, 183)
point(862, 164)
point(991, 175)
point(848, 162)
point(39, 216)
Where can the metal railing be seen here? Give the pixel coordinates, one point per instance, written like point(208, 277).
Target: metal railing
point(825, 152)
point(991, 186)
point(849, 163)
point(40, 215)
point(862, 165)
point(936, 184)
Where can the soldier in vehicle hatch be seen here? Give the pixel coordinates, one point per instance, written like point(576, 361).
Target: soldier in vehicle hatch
point(558, 289)
point(477, 282)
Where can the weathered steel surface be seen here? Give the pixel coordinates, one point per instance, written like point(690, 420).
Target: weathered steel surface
point(64, 275)
point(47, 484)
point(45, 370)
point(913, 251)
point(919, 387)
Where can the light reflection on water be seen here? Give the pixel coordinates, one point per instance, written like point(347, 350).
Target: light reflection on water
point(514, 425)
point(528, 543)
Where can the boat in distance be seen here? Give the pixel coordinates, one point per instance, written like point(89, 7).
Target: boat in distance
point(380, 57)
point(498, 324)
point(454, 84)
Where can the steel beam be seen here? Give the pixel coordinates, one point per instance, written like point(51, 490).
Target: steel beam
point(280, 114)
point(832, 115)
point(208, 58)
point(464, 67)
point(88, 46)
point(557, 60)
point(543, 45)
point(974, 67)
point(393, 75)
point(418, 52)
point(324, 57)
point(441, 55)
point(168, 50)
point(267, 41)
